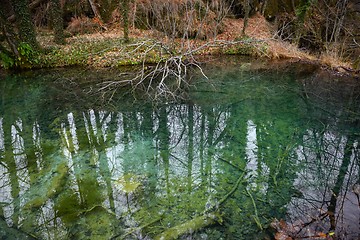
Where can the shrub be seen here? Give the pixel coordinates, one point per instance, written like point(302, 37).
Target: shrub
point(81, 25)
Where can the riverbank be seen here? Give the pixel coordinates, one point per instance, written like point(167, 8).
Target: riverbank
point(107, 48)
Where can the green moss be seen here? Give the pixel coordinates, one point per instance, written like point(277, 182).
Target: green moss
point(240, 49)
point(190, 226)
point(96, 224)
point(48, 186)
point(57, 21)
point(68, 207)
point(24, 23)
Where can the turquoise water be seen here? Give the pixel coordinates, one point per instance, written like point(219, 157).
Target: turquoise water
point(259, 150)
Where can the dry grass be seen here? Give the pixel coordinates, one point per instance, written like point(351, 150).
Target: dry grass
point(260, 29)
point(281, 49)
point(332, 61)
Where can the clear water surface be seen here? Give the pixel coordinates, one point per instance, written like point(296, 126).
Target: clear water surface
point(259, 151)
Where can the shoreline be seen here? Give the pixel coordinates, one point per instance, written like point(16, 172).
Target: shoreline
point(107, 49)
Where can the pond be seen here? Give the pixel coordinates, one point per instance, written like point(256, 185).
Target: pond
point(259, 150)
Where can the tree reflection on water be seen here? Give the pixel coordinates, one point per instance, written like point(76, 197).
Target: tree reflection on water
point(134, 172)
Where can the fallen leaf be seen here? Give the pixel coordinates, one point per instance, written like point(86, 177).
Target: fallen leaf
point(282, 236)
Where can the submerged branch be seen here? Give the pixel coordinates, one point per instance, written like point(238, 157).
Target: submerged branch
point(210, 217)
point(256, 216)
point(123, 236)
point(222, 201)
point(190, 226)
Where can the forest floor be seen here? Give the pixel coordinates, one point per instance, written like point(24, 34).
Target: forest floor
point(106, 48)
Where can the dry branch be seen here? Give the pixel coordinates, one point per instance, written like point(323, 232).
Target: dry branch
point(168, 77)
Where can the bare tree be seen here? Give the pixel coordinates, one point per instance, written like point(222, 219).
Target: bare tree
point(341, 7)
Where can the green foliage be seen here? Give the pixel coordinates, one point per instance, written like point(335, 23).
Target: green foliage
point(24, 23)
point(302, 9)
point(240, 49)
point(101, 53)
point(58, 57)
point(6, 60)
point(26, 51)
point(27, 58)
point(129, 182)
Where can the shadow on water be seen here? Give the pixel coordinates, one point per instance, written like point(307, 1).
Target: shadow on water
point(258, 152)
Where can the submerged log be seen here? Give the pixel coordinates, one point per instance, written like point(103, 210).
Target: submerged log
point(210, 217)
point(190, 226)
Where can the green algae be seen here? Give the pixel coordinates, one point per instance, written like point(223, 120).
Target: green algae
point(97, 224)
point(129, 182)
point(190, 226)
point(52, 183)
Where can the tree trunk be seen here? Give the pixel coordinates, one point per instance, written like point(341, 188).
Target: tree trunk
point(9, 35)
point(25, 25)
point(125, 7)
point(94, 8)
point(57, 22)
point(263, 7)
point(246, 17)
point(32, 6)
point(105, 9)
point(301, 19)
